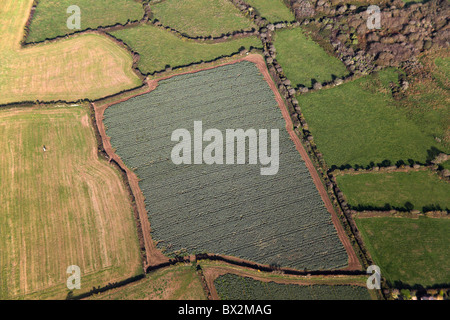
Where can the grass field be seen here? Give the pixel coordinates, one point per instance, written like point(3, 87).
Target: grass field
point(201, 17)
point(442, 72)
point(234, 287)
point(413, 251)
point(179, 282)
point(62, 207)
point(88, 66)
point(223, 209)
point(428, 98)
point(50, 18)
point(303, 60)
point(159, 48)
point(272, 10)
point(446, 165)
point(422, 188)
point(359, 122)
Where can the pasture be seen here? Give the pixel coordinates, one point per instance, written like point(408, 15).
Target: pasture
point(421, 188)
point(409, 251)
point(86, 66)
point(159, 48)
point(63, 206)
point(359, 122)
point(272, 10)
point(201, 17)
point(303, 61)
point(179, 282)
point(50, 18)
point(224, 209)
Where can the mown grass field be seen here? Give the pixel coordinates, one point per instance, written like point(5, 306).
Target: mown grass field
point(179, 282)
point(61, 207)
point(224, 209)
point(410, 251)
point(159, 48)
point(88, 66)
point(272, 10)
point(303, 60)
point(50, 18)
point(359, 122)
point(233, 287)
point(421, 188)
point(201, 17)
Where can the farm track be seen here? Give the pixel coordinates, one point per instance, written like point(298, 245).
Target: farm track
point(155, 258)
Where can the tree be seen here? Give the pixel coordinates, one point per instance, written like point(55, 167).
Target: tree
point(409, 206)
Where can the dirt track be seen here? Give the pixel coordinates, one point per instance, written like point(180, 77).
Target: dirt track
point(155, 256)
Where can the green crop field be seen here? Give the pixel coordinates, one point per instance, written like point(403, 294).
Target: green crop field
point(422, 189)
point(409, 251)
point(159, 48)
point(179, 282)
point(359, 122)
point(234, 287)
point(50, 18)
point(224, 209)
point(60, 207)
point(272, 10)
point(201, 17)
point(303, 60)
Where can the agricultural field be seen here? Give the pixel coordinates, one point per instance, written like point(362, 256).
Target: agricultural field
point(446, 165)
point(50, 18)
point(359, 122)
point(234, 287)
point(442, 70)
point(63, 206)
point(272, 10)
point(201, 17)
point(179, 282)
point(304, 62)
point(422, 189)
point(159, 48)
point(223, 209)
point(87, 66)
point(408, 251)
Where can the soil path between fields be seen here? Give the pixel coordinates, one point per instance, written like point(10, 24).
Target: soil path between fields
point(155, 256)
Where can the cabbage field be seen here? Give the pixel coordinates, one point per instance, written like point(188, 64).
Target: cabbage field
point(223, 209)
point(234, 287)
